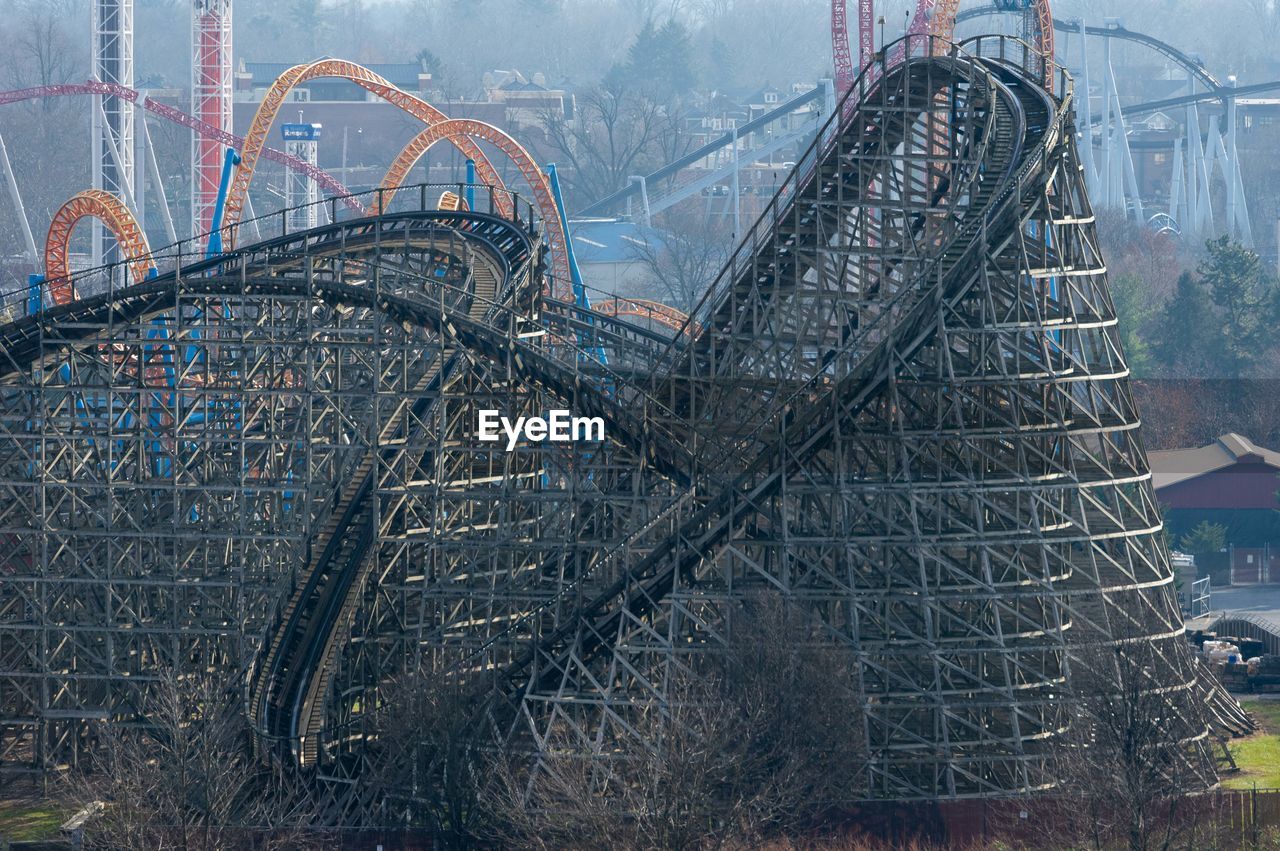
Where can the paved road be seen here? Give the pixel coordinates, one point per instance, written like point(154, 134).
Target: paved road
point(1261, 600)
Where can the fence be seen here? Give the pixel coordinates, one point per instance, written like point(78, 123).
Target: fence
point(1201, 591)
point(1253, 565)
point(1220, 819)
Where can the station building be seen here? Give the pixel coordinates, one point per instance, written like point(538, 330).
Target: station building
point(1233, 483)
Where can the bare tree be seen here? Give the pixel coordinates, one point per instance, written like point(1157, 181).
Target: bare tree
point(434, 753)
point(1134, 752)
point(47, 138)
point(184, 777)
point(761, 738)
point(614, 133)
point(41, 49)
point(683, 259)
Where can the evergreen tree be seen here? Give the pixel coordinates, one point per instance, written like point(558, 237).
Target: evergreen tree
point(1244, 294)
point(677, 58)
point(1188, 335)
point(722, 65)
point(659, 62)
point(641, 56)
point(1204, 539)
point(431, 63)
point(1133, 312)
point(305, 15)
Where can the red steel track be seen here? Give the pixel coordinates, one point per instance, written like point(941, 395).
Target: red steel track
point(177, 116)
point(932, 17)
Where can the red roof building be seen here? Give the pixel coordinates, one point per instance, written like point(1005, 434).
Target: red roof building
point(1233, 483)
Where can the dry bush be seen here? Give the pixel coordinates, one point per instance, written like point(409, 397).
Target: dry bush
point(183, 776)
point(436, 741)
point(762, 738)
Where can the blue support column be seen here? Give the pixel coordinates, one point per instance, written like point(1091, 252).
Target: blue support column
point(33, 293)
point(230, 161)
point(579, 290)
point(580, 298)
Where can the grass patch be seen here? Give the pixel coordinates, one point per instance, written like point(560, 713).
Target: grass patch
point(1266, 711)
point(26, 821)
point(1258, 755)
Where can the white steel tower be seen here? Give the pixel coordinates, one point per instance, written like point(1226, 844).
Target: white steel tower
point(112, 119)
point(301, 192)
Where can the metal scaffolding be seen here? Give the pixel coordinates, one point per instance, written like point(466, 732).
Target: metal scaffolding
point(903, 406)
point(211, 73)
point(111, 121)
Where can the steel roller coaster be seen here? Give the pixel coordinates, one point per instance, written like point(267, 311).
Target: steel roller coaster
point(177, 116)
point(903, 406)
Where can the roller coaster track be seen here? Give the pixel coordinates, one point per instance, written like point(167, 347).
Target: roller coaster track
point(1207, 79)
point(807, 433)
point(938, 18)
point(107, 208)
point(464, 137)
point(1214, 89)
point(287, 692)
point(460, 131)
point(648, 311)
point(902, 404)
point(81, 318)
point(177, 116)
point(297, 662)
point(464, 134)
point(1200, 97)
point(1028, 128)
point(671, 169)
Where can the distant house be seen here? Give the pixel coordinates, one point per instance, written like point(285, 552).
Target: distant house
point(253, 79)
point(718, 116)
point(611, 256)
point(528, 101)
point(1231, 482)
point(765, 99)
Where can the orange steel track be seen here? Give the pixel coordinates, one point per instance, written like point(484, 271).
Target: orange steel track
point(654, 311)
point(457, 131)
point(463, 132)
point(256, 139)
point(111, 211)
point(107, 208)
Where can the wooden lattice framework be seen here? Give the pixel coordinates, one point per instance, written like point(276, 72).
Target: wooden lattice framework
point(903, 406)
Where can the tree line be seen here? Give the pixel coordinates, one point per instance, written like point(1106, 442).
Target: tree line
point(1196, 324)
point(1218, 322)
point(761, 743)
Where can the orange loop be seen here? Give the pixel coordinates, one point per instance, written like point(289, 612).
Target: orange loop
point(107, 208)
point(643, 308)
point(458, 132)
point(463, 132)
point(256, 139)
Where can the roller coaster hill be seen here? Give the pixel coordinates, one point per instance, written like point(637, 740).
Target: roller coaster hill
point(902, 406)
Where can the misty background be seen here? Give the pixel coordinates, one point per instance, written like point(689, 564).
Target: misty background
point(640, 75)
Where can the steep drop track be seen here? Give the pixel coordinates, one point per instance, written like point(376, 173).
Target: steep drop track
point(902, 406)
